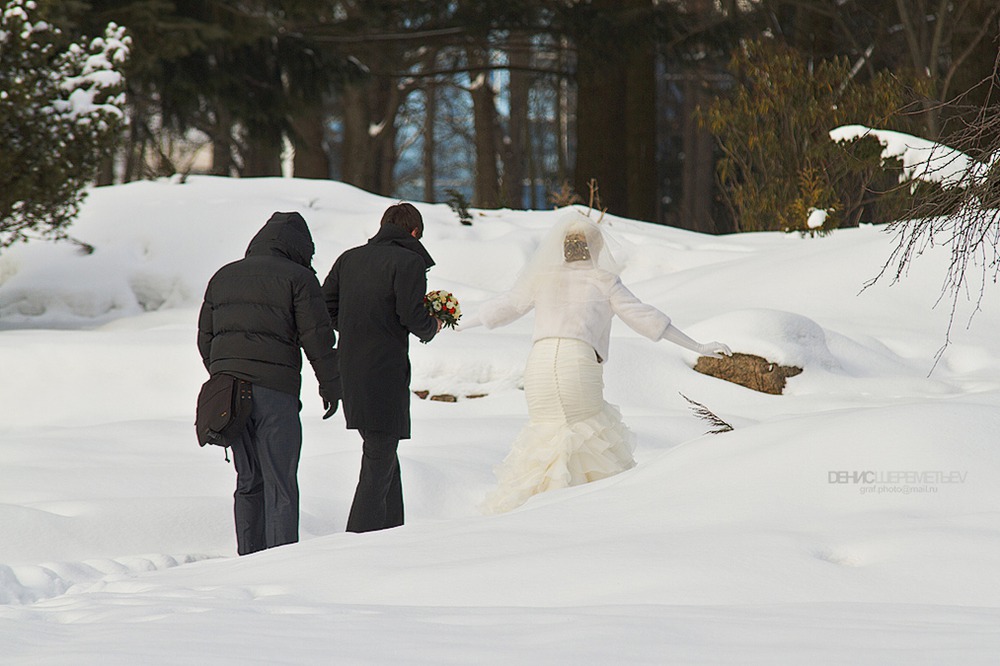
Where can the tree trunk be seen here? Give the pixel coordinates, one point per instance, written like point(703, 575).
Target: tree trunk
point(222, 157)
point(356, 168)
point(222, 144)
point(106, 171)
point(135, 152)
point(369, 151)
point(310, 159)
point(385, 148)
point(487, 194)
point(697, 176)
point(262, 152)
point(640, 134)
point(616, 110)
point(530, 150)
point(516, 154)
point(600, 125)
point(562, 115)
point(430, 145)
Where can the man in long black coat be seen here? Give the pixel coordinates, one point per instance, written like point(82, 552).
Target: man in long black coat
point(258, 313)
point(374, 294)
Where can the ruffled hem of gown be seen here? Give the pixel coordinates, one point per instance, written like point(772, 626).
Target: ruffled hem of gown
point(551, 455)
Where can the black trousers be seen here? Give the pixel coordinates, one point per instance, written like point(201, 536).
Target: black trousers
point(266, 501)
point(378, 499)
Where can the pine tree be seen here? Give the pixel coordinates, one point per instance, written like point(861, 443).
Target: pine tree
point(60, 107)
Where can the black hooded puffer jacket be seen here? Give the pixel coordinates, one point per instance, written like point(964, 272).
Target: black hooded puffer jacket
point(259, 311)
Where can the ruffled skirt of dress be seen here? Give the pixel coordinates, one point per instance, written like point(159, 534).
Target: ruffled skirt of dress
point(574, 436)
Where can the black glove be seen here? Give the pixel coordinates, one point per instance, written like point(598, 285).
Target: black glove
point(330, 399)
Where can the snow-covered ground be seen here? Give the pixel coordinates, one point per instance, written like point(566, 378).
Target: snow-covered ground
point(855, 519)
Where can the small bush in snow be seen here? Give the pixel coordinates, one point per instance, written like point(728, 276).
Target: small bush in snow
point(459, 205)
point(778, 162)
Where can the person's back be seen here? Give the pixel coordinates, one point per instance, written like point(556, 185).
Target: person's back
point(257, 315)
point(263, 308)
point(368, 290)
point(374, 294)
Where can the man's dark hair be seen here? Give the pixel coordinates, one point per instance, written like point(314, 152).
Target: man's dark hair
point(406, 216)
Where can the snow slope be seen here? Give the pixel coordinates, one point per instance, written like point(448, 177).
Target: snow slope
point(853, 520)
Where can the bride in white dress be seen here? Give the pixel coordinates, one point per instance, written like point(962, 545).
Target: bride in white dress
point(573, 436)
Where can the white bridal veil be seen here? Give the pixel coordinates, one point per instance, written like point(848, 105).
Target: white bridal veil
point(572, 264)
point(550, 253)
point(577, 254)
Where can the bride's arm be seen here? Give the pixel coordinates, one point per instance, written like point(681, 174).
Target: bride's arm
point(713, 349)
point(498, 311)
point(642, 318)
point(650, 322)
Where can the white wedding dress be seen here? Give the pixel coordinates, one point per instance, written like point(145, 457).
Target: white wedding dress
point(572, 283)
point(573, 437)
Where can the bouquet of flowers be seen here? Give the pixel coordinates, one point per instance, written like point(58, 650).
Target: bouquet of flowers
point(444, 306)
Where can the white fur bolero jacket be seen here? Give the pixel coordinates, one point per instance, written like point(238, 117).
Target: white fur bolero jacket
point(575, 304)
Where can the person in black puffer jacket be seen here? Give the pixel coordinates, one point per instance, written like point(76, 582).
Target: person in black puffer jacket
point(259, 312)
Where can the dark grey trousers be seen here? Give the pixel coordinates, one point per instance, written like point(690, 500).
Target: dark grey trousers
point(266, 501)
point(378, 499)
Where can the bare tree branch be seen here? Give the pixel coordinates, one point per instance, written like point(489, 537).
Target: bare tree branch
point(963, 217)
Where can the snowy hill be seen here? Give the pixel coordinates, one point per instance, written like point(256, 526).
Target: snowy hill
point(852, 520)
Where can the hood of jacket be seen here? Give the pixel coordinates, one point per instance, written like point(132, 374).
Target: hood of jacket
point(284, 235)
point(390, 234)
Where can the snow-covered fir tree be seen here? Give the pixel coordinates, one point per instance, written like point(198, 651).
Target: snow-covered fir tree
point(61, 103)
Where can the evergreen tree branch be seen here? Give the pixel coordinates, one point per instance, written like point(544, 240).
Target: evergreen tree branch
point(705, 414)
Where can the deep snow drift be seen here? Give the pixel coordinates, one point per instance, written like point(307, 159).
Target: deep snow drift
point(853, 520)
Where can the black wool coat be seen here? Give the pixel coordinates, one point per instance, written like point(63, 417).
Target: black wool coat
point(259, 311)
point(374, 294)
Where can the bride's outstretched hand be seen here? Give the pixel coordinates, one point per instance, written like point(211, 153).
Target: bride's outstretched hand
point(715, 350)
point(468, 321)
